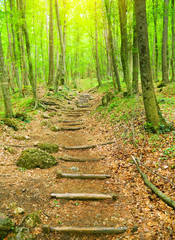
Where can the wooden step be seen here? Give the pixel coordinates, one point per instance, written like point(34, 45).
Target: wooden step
point(87, 146)
point(82, 176)
point(70, 121)
point(75, 159)
point(83, 196)
point(87, 230)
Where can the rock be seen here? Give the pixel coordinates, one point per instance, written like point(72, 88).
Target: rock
point(55, 128)
point(48, 147)
point(10, 150)
point(11, 123)
point(45, 116)
point(19, 210)
point(107, 98)
point(19, 137)
point(22, 233)
point(32, 220)
point(35, 158)
point(5, 225)
point(21, 115)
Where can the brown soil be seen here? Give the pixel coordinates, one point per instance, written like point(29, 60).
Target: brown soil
point(31, 189)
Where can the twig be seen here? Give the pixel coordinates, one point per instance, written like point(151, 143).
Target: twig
point(170, 202)
point(22, 220)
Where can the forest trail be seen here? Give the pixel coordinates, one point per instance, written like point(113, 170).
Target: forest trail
point(89, 204)
point(92, 152)
point(33, 190)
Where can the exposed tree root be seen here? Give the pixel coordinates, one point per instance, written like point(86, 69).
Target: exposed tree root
point(170, 202)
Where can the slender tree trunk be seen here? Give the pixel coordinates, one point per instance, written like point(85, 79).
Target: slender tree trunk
point(112, 52)
point(156, 67)
point(165, 78)
point(124, 44)
point(96, 47)
point(173, 38)
point(61, 80)
point(51, 46)
point(153, 114)
point(14, 49)
point(31, 75)
point(4, 85)
point(135, 73)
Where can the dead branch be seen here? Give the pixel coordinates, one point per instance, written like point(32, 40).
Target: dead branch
point(170, 202)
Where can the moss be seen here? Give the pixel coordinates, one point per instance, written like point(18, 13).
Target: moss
point(48, 147)
point(32, 220)
point(55, 128)
point(52, 114)
point(35, 158)
point(18, 137)
point(5, 225)
point(21, 115)
point(11, 123)
point(10, 150)
point(107, 98)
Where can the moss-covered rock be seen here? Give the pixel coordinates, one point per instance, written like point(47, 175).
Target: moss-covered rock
point(19, 137)
point(48, 147)
point(55, 128)
point(5, 225)
point(10, 150)
point(52, 114)
point(22, 233)
point(21, 115)
point(11, 123)
point(107, 98)
point(32, 220)
point(35, 158)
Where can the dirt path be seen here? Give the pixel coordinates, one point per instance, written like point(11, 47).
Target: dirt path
point(32, 189)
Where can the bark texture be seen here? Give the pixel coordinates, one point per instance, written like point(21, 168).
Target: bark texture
point(51, 46)
point(165, 79)
point(4, 85)
point(153, 114)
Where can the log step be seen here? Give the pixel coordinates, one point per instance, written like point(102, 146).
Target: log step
point(83, 196)
point(87, 230)
point(75, 159)
point(69, 121)
point(82, 176)
point(74, 124)
point(87, 146)
point(74, 115)
point(71, 128)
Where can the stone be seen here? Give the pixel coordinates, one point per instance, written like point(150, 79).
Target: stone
point(5, 225)
point(19, 210)
point(107, 98)
point(11, 123)
point(35, 158)
point(45, 116)
point(48, 147)
point(55, 128)
point(32, 220)
point(21, 115)
point(22, 233)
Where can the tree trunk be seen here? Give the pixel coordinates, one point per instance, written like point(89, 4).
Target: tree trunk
point(31, 75)
point(156, 67)
point(61, 79)
point(153, 114)
point(112, 53)
point(124, 43)
point(96, 47)
point(135, 73)
point(165, 79)
point(15, 59)
point(4, 85)
point(173, 38)
point(51, 47)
